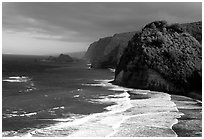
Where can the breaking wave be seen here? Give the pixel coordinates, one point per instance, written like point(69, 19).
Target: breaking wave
point(17, 79)
point(125, 117)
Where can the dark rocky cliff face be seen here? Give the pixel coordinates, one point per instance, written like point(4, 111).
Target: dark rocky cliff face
point(195, 29)
point(107, 51)
point(161, 57)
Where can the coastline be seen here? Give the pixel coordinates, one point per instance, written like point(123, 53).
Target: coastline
point(187, 124)
point(189, 105)
point(190, 123)
point(162, 116)
point(196, 94)
point(147, 114)
point(152, 116)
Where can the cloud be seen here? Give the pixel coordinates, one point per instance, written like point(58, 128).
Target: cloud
point(86, 22)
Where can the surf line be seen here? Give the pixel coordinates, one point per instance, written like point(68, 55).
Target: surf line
point(115, 128)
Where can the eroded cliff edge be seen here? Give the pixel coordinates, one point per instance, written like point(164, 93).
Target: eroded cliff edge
point(161, 57)
point(107, 51)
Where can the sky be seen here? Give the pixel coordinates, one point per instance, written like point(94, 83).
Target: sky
point(52, 28)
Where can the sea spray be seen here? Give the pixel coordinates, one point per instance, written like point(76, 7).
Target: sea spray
point(150, 117)
point(122, 115)
point(108, 121)
point(17, 79)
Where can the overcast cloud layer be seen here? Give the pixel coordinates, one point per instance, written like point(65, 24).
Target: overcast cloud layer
point(33, 28)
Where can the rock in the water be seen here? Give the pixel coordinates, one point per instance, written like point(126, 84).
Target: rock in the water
point(60, 59)
point(161, 57)
point(64, 58)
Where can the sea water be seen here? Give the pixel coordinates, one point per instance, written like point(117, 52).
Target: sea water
point(79, 101)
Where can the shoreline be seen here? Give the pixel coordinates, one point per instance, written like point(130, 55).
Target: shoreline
point(190, 122)
point(154, 118)
point(196, 94)
point(160, 106)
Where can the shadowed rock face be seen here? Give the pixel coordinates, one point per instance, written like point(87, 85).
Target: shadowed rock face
point(161, 57)
point(195, 29)
point(107, 51)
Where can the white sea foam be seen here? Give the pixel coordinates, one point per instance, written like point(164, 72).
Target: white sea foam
point(158, 112)
point(76, 96)
point(103, 81)
point(62, 120)
point(79, 89)
point(88, 66)
point(159, 107)
point(9, 80)
point(106, 120)
point(71, 118)
point(111, 69)
point(99, 85)
point(17, 79)
point(7, 133)
point(30, 114)
point(56, 108)
point(22, 79)
point(18, 114)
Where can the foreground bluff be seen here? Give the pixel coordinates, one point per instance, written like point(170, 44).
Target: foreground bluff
point(161, 57)
point(107, 51)
point(194, 28)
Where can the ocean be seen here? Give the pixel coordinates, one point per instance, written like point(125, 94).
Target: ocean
point(76, 100)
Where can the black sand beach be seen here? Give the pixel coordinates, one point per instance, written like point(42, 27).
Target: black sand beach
point(190, 123)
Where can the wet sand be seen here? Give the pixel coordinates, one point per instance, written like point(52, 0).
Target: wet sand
point(152, 116)
point(183, 119)
point(190, 123)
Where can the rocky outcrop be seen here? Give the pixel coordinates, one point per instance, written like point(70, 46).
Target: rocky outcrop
point(194, 28)
point(161, 57)
point(107, 51)
point(60, 59)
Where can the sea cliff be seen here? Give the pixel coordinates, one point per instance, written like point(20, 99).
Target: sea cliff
point(107, 51)
point(161, 57)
